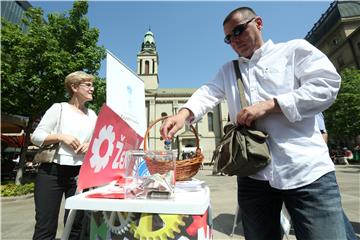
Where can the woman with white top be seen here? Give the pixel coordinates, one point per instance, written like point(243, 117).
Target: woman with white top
point(71, 125)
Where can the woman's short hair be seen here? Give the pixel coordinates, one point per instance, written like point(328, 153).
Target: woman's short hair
point(76, 78)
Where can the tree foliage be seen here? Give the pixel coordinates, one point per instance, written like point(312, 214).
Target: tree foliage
point(343, 117)
point(34, 62)
point(99, 95)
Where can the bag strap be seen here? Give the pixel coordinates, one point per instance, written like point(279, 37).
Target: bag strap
point(240, 83)
point(58, 122)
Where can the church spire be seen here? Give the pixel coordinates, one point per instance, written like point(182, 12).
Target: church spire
point(148, 45)
point(148, 61)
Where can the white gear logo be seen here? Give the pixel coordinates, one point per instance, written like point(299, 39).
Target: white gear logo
point(96, 161)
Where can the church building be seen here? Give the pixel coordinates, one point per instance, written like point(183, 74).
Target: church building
point(162, 102)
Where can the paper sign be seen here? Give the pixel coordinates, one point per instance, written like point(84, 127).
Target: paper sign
point(125, 93)
point(104, 162)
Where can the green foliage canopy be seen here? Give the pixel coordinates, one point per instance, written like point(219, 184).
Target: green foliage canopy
point(343, 117)
point(35, 62)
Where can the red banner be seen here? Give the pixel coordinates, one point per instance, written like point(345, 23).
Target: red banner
point(105, 159)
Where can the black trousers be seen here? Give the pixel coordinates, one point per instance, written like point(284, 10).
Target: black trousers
point(52, 182)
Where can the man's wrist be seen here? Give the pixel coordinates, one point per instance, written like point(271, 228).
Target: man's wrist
point(274, 106)
point(59, 137)
point(186, 114)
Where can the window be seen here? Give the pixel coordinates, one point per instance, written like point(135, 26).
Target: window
point(210, 116)
point(147, 67)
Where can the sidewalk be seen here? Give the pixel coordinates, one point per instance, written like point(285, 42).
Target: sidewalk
point(223, 199)
point(17, 216)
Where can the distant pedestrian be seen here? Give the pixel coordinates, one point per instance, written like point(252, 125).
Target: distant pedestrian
point(321, 124)
point(347, 155)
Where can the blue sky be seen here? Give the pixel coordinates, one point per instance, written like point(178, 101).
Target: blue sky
point(188, 35)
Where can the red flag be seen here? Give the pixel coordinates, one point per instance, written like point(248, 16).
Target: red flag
point(105, 159)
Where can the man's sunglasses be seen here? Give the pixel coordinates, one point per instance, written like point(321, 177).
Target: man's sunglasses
point(239, 29)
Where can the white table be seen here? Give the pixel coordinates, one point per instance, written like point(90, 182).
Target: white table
point(185, 203)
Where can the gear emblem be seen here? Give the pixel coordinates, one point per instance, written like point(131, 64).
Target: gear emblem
point(98, 159)
point(157, 226)
point(118, 222)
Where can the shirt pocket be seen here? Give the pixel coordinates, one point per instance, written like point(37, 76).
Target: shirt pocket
point(273, 72)
point(276, 79)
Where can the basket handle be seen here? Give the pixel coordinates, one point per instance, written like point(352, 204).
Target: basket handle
point(193, 130)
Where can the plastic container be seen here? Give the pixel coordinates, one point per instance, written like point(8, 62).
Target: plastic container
point(157, 181)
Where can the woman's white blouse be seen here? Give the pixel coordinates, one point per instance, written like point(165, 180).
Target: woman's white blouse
point(73, 123)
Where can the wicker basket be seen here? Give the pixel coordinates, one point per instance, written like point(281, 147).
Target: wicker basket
point(186, 168)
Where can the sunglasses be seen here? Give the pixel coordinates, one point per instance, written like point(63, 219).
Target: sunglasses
point(239, 29)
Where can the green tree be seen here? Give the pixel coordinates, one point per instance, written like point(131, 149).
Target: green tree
point(99, 96)
point(343, 117)
point(36, 61)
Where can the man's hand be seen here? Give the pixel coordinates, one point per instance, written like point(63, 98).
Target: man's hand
point(247, 115)
point(174, 123)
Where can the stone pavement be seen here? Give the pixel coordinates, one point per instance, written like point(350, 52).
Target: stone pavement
point(223, 199)
point(17, 216)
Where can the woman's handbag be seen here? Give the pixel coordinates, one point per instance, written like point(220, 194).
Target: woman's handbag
point(242, 151)
point(47, 153)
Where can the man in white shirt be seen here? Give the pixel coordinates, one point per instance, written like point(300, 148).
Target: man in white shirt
point(286, 85)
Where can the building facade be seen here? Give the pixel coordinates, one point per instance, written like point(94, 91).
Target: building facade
point(337, 34)
point(162, 102)
point(13, 11)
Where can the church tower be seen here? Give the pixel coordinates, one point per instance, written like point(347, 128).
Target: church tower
point(147, 62)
